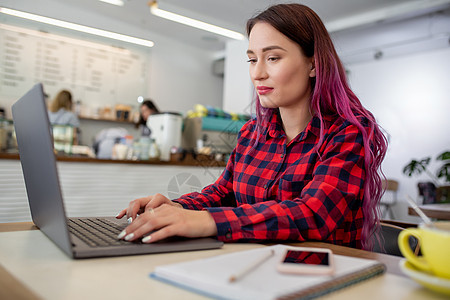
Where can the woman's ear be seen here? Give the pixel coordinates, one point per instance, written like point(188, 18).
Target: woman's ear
point(312, 73)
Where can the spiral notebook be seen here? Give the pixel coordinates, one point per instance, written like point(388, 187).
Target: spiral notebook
point(210, 276)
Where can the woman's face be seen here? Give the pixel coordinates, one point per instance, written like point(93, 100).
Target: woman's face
point(145, 112)
point(279, 70)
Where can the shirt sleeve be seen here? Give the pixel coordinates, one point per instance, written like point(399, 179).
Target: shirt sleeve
point(325, 202)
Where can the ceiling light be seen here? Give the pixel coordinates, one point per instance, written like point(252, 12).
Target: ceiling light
point(64, 39)
point(77, 27)
point(115, 2)
point(192, 22)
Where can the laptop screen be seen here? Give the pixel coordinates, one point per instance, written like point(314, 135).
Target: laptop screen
point(33, 132)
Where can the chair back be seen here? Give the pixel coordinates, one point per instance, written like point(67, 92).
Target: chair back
point(390, 185)
point(390, 235)
point(389, 197)
point(428, 191)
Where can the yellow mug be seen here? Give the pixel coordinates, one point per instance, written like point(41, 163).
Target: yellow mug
point(435, 247)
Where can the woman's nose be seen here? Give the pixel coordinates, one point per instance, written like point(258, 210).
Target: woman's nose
point(258, 71)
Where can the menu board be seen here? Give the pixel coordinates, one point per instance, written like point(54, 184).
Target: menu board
point(95, 73)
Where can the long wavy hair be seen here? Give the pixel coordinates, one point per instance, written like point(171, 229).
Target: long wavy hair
point(62, 100)
point(331, 94)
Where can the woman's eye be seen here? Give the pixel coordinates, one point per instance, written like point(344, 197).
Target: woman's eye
point(273, 58)
point(251, 60)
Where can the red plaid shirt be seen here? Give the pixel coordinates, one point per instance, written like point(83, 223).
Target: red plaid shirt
point(273, 191)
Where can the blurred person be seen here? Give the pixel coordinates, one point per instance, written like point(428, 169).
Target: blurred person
point(147, 109)
point(60, 110)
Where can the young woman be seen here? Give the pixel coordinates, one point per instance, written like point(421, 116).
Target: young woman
point(60, 110)
point(147, 109)
point(306, 168)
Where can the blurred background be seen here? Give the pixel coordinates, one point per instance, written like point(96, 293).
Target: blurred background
point(396, 53)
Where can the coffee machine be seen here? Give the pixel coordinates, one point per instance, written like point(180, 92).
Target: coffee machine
point(166, 130)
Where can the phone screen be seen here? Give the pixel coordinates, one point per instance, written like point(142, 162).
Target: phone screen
point(306, 257)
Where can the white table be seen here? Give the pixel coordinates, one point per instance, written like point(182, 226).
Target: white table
point(33, 267)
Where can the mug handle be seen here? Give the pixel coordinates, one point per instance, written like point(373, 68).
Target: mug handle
point(403, 243)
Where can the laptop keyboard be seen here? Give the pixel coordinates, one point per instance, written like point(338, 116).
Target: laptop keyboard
point(96, 232)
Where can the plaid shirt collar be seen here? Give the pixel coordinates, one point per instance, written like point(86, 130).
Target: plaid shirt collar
point(275, 129)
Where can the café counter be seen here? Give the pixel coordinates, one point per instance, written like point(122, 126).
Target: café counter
point(176, 160)
point(98, 187)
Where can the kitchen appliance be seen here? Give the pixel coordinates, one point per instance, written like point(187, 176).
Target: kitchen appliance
point(166, 130)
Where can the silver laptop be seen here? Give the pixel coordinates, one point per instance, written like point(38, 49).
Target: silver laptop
point(77, 237)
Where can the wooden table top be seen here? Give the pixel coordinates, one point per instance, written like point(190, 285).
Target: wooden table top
point(440, 211)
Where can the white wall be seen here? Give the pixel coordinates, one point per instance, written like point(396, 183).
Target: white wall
point(238, 89)
point(179, 76)
point(407, 90)
point(410, 97)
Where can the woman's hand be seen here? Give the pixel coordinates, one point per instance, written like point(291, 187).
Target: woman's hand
point(140, 205)
point(164, 218)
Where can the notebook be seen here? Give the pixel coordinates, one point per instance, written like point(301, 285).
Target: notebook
point(210, 276)
point(73, 235)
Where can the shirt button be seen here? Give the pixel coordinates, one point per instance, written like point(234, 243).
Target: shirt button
point(228, 235)
point(265, 186)
point(282, 155)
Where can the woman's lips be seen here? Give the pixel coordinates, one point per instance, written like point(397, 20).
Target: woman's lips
point(262, 90)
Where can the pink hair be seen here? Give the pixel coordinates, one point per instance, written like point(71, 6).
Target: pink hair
point(331, 94)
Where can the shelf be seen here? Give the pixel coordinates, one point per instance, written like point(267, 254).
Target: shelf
point(105, 120)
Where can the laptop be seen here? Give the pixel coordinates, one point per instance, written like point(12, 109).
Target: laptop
point(77, 237)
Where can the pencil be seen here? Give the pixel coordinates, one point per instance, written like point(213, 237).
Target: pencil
point(247, 269)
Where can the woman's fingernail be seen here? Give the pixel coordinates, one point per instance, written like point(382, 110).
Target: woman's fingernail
point(130, 219)
point(129, 237)
point(122, 234)
point(147, 239)
point(117, 215)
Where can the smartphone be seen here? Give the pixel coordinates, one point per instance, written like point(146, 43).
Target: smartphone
point(304, 260)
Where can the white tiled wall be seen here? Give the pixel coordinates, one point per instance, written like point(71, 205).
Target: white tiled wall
point(97, 189)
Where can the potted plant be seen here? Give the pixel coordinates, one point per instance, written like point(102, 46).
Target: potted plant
point(438, 190)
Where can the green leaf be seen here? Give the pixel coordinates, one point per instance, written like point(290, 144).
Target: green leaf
point(444, 156)
point(416, 167)
point(444, 172)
